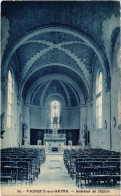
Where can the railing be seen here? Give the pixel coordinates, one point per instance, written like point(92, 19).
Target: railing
point(54, 136)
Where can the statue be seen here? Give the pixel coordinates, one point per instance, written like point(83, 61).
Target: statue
point(39, 135)
point(24, 127)
point(24, 133)
point(55, 120)
point(2, 124)
point(85, 137)
point(2, 121)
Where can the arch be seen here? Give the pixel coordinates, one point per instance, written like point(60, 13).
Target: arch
point(55, 113)
point(99, 82)
point(56, 96)
point(74, 94)
point(89, 41)
point(36, 91)
point(58, 77)
point(44, 92)
point(66, 92)
point(34, 58)
point(62, 65)
point(116, 54)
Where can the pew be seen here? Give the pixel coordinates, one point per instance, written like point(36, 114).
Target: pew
point(21, 164)
point(93, 166)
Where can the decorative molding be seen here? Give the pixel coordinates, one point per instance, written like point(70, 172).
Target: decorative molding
point(4, 33)
point(44, 92)
point(114, 121)
point(66, 92)
point(119, 126)
point(78, 99)
point(105, 124)
point(62, 29)
point(82, 106)
point(53, 76)
point(2, 125)
point(89, 102)
point(3, 84)
point(19, 100)
point(53, 96)
point(107, 84)
point(24, 80)
point(72, 56)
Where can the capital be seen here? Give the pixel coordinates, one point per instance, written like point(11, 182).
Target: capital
point(19, 100)
point(107, 84)
point(89, 102)
point(3, 84)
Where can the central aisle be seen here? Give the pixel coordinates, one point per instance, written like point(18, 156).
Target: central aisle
point(53, 174)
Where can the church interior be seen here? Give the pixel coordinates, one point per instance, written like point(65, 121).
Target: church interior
point(60, 93)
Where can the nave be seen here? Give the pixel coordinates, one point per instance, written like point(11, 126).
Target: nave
point(60, 95)
point(74, 169)
point(54, 175)
point(78, 169)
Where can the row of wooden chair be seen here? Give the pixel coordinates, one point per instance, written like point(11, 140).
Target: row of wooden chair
point(21, 164)
point(93, 166)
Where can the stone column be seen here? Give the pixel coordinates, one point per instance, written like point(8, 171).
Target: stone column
point(82, 109)
point(4, 96)
point(107, 111)
point(3, 111)
point(27, 123)
point(89, 107)
point(20, 119)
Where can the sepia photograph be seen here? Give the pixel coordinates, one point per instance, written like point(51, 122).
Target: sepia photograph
point(60, 98)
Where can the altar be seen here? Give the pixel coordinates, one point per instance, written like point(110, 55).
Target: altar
point(54, 142)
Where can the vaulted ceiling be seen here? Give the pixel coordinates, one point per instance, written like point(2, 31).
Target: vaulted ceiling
point(54, 46)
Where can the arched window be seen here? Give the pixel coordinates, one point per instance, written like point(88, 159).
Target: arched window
point(10, 95)
point(55, 114)
point(99, 101)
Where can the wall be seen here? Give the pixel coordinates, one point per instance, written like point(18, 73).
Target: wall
point(115, 110)
point(11, 135)
point(107, 137)
point(100, 138)
point(116, 97)
point(39, 118)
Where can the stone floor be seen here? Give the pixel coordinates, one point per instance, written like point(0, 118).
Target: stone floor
point(54, 175)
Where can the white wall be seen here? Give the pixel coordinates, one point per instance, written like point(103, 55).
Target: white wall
point(40, 118)
point(100, 138)
point(107, 138)
point(115, 109)
point(11, 135)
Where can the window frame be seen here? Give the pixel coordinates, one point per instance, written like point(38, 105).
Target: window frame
point(99, 101)
point(54, 113)
point(9, 99)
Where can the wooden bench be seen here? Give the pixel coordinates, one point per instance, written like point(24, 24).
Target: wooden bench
point(107, 180)
point(25, 162)
point(6, 179)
